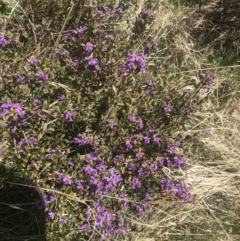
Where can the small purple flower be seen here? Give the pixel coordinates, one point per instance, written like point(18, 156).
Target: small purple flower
point(168, 109)
point(37, 102)
point(135, 183)
point(157, 141)
point(153, 167)
point(89, 47)
point(132, 118)
point(62, 221)
point(128, 146)
point(51, 215)
point(73, 65)
point(56, 51)
point(80, 185)
point(61, 97)
point(166, 185)
point(113, 126)
point(210, 80)
point(141, 125)
point(32, 140)
point(139, 155)
point(70, 163)
point(119, 11)
point(110, 36)
point(33, 62)
point(80, 31)
point(148, 196)
point(52, 198)
point(146, 139)
point(93, 62)
point(208, 131)
point(177, 143)
point(9, 107)
point(90, 171)
point(202, 74)
point(148, 82)
point(67, 180)
point(42, 76)
point(3, 41)
point(38, 32)
point(104, 47)
point(189, 112)
point(86, 227)
point(65, 52)
point(89, 92)
point(69, 117)
point(21, 79)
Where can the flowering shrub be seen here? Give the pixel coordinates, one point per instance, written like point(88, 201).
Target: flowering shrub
point(89, 120)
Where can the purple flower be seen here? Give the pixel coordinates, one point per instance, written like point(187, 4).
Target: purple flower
point(146, 139)
point(52, 198)
point(128, 146)
point(132, 118)
point(157, 140)
point(51, 215)
point(210, 80)
point(3, 41)
point(73, 65)
point(148, 196)
point(139, 155)
point(168, 109)
point(177, 143)
point(65, 53)
point(37, 102)
point(141, 125)
point(90, 171)
point(140, 210)
point(101, 166)
point(166, 185)
point(89, 47)
point(104, 47)
point(189, 112)
point(170, 149)
point(62, 221)
point(10, 107)
point(153, 167)
point(160, 161)
point(135, 183)
point(70, 163)
point(69, 117)
point(113, 126)
point(61, 97)
point(89, 92)
point(208, 131)
point(119, 11)
point(148, 82)
point(86, 227)
point(38, 32)
point(21, 79)
point(56, 51)
point(80, 185)
point(80, 31)
point(93, 62)
point(202, 74)
point(67, 180)
point(33, 62)
point(42, 76)
point(32, 140)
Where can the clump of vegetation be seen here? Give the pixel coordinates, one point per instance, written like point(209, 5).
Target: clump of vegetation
point(92, 114)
